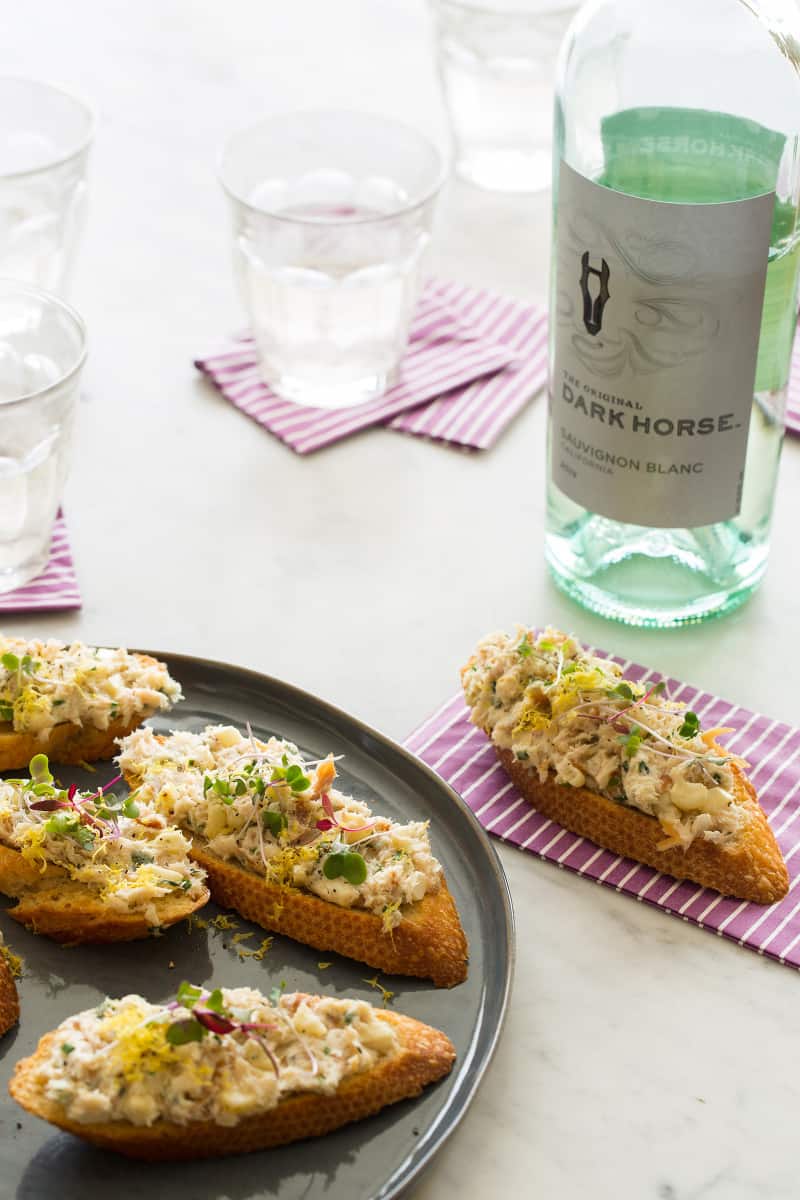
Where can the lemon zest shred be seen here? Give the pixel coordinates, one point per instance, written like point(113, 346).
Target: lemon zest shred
point(32, 850)
point(15, 962)
point(386, 995)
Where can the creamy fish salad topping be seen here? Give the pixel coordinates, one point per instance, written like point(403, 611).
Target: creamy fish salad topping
point(569, 713)
point(47, 683)
point(261, 805)
point(208, 1056)
point(130, 857)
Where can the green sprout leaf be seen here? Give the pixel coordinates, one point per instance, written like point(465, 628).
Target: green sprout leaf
point(275, 822)
point(633, 741)
point(215, 1001)
point(130, 808)
point(6, 712)
point(276, 993)
point(347, 865)
point(179, 1033)
point(10, 661)
point(187, 994)
point(39, 769)
point(624, 690)
point(524, 648)
point(690, 726)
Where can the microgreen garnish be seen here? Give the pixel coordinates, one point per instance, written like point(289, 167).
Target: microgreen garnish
point(276, 993)
point(24, 665)
point(275, 822)
point(39, 769)
point(6, 712)
point(188, 995)
point(625, 691)
point(179, 1033)
point(68, 824)
point(71, 815)
point(292, 774)
point(345, 864)
point(633, 740)
point(66, 1048)
point(690, 726)
point(524, 648)
point(209, 1015)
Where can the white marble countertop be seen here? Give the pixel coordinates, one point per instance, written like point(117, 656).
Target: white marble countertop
point(642, 1058)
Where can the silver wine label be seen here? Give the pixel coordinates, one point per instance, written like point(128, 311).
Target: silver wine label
point(657, 319)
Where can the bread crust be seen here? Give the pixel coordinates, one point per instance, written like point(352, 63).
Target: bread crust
point(425, 1056)
point(50, 903)
point(9, 999)
point(750, 869)
point(429, 942)
point(67, 743)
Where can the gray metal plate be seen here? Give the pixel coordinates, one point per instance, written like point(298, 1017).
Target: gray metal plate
point(374, 1158)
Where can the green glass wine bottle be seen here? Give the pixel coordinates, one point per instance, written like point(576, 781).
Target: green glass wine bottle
point(674, 301)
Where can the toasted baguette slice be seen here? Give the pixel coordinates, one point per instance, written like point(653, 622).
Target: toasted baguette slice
point(429, 941)
point(426, 1055)
point(752, 868)
point(9, 1000)
point(66, 743)
point(52, 904)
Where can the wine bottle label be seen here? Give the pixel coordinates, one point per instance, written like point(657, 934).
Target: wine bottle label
point(657, 318)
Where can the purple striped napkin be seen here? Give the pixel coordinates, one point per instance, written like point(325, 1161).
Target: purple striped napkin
point(463, 756)
point(56, 588)
point(459, 335)
point(477, 414)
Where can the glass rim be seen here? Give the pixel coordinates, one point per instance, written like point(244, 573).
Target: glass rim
point(67, 156)
point(442, 169)
point(8, 286)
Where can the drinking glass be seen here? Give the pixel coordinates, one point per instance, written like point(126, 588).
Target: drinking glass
point(42, 351)
point(497, 64)
point(332, 213)
point(45, 135)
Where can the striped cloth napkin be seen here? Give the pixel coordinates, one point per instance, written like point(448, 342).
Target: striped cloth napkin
point(478, 357)
point(56, 589)
point(463, 756)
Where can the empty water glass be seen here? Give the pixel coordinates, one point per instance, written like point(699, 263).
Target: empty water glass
point(42, 351)
point(332, 214)
point(497, 65)
point(45, 135)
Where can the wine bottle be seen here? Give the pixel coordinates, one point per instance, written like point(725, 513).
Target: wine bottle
point(673, 301)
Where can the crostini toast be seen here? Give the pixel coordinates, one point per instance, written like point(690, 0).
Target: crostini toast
point(9, 999)
point(89, 867)
point(276, 1071)
point(285, 848)
point(72, 702)
point(619, 763)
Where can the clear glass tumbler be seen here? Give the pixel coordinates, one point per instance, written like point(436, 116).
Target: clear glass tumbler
point(497, 61)
point(332, 212)
point(45, 135)
point(42, 352)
